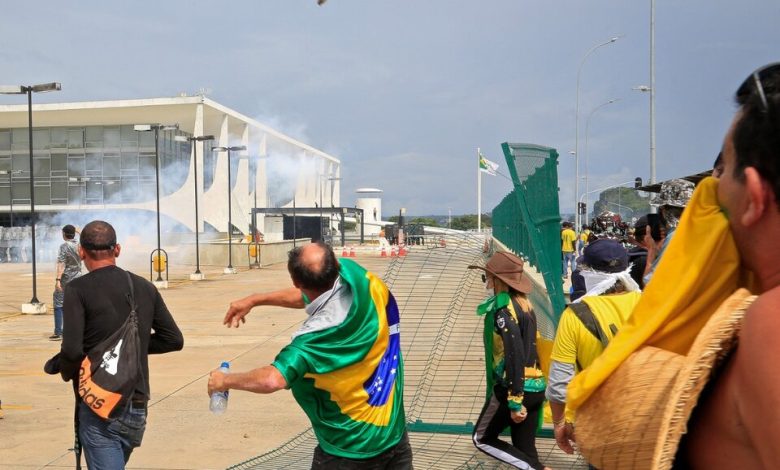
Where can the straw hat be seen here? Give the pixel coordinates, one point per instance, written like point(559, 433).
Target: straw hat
point(637, 417)
point(508, 268)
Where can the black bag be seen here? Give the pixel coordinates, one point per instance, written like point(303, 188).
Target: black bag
point(112, 369)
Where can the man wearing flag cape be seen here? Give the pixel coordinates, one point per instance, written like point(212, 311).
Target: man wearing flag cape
point(344, 364)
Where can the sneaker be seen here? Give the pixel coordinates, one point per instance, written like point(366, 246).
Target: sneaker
point(55, 338)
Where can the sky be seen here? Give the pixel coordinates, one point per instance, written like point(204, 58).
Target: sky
point(403, 92)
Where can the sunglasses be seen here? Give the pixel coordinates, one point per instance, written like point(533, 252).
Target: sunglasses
point(484, 278)
point(756, 81)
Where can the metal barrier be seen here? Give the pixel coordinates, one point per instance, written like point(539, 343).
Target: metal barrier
point(528, 219)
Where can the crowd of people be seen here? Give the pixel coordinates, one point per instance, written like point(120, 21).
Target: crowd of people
point(344, 364)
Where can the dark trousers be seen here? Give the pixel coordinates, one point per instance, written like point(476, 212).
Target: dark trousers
point(495, 418)
point(398, 457)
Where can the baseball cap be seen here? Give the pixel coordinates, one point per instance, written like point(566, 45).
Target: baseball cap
point(606, 255)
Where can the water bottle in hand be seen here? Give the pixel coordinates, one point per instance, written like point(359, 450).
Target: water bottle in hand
point(219, 400)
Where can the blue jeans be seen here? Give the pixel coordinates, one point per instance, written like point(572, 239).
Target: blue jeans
point(58, 321)
point(107, 444)
point(569, 258)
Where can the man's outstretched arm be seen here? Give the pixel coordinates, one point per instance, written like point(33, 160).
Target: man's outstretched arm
point(239, 309)
point(266, 379)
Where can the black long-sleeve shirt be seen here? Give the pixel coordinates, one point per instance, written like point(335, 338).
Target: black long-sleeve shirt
point(96, 306)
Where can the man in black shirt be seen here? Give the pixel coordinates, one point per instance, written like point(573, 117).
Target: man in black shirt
point(95, 307)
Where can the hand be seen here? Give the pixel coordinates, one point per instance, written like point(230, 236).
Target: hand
point(237, 311)
point(564, 436)
point(216, 382)
point(58, 286)
point(520, 415)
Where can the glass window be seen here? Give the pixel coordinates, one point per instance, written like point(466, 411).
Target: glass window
point(75, 193)
point(59, 162)
point(128, 135)
point(5, 163)
point(59, 137)
point(94, 191)
point(21, 191)
point(93, 162)
point(111, 166)
point(129, 189)
point(5, 193)
point(75, 166)
point(146, 139)
point(146, 165)
point(129, 161)
point(111, 137)
point(146, 191)
point(76, 138)
point(5, 140)
point(41, 139)
point(112, 192)
point(59, 191)
point(43, 195)
point(21, 162)
point(42, 168)
point(93, 133)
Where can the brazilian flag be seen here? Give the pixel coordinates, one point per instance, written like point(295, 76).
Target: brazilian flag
point(349, 378)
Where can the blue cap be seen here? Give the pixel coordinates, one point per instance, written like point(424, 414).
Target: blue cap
point(226, 365)
point(606, 255)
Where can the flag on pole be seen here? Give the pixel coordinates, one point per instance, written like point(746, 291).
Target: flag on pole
point(487, 166)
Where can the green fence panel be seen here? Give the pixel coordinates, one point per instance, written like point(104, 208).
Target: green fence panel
point(528, 219)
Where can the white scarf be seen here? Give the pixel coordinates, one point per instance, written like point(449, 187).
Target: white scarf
point(598, 282)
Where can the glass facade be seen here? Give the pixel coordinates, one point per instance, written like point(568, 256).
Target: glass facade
point(90, 165)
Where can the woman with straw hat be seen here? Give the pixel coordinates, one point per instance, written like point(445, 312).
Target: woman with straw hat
point(515, 391)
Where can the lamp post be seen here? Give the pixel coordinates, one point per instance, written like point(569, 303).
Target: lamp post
point(34, 306)
point(577, 129)
point(332, 180)
point(255, 239)
point(230, 269)
point(197, 275)
point(159, 282)
point(587, 154)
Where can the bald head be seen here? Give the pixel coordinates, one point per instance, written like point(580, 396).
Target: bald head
point(313, 266)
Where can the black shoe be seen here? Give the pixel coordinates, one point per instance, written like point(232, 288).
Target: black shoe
point(55, 338)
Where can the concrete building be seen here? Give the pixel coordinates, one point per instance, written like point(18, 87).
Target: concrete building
point(88, 156)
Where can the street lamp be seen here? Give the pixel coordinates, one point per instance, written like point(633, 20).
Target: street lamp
point(197, 275)
point(230, 269)
point(587, 154)
point(577, 129)
point(10, 174)
point(255, 238)
point(34, 306)
point(159, 282)
point(650, 89)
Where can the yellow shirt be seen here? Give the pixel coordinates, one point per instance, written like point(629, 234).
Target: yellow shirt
point(568, 237)
point(574, 344)
point(584, 235)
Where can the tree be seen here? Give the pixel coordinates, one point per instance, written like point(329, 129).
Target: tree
point(625, 201)
point(429, 221)
point(469, 221)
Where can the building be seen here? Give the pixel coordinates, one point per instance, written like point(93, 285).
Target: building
point(90, 157)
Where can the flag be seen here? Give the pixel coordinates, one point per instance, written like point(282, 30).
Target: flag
point(348, 378)
point(487, 166)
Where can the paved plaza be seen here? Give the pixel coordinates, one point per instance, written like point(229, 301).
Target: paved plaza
point(37, 428)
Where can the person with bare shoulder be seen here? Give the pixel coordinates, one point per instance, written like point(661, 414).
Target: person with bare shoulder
point(734, 424)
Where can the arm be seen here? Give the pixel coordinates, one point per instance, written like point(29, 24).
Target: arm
point(290, 298)
point(266, 379)
point(72, 349)
point(166, 336)
point(60, 270)
point(560, 376)
point(514, 362)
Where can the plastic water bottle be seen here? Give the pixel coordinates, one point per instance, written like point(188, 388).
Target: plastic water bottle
point(219, 400)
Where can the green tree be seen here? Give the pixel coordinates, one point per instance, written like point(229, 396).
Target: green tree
point(429, 221)
point(469, 221)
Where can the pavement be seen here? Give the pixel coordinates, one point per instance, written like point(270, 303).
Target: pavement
point(36, 431)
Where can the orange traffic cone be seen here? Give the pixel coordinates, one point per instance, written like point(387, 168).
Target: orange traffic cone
point(393, 253)
point(442, 243)
point(383, 253)
point(352, 252)
point(402, 250)
point(344, 252)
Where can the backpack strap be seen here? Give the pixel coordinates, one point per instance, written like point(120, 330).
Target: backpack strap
point(131, 295)
point(585, 315)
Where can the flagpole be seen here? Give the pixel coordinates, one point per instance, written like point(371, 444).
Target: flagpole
point(479, 194)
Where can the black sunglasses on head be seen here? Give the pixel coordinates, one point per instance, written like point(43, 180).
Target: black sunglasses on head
point(756, 81)
point(484, 278)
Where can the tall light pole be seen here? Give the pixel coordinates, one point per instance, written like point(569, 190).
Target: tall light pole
point(157, 128)
point(587, 154)
point(230, 269)
point(577, 129)
point(34, 306)
point(197, 275)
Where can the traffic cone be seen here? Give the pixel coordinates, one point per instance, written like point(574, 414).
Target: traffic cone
point(402, 250)
point(352, 252)
point(383, 253)
point(442, 243)
point(344, 252)
point(393, 253)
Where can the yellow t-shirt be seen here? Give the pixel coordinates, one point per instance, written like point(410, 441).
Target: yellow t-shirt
point(584, 235)
point(574, 344)
point(568, 237)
